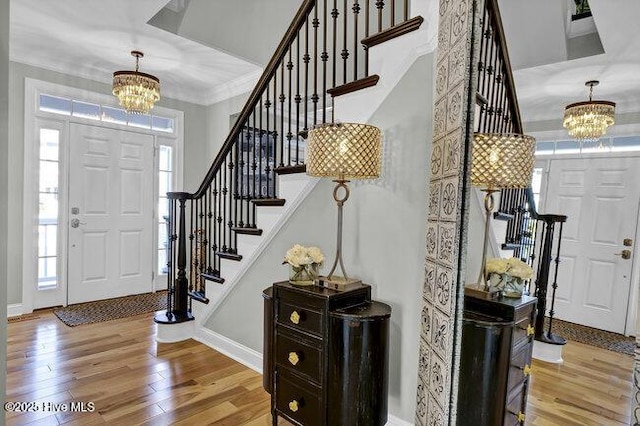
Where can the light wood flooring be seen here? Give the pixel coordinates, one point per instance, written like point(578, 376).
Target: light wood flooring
point(132, 380)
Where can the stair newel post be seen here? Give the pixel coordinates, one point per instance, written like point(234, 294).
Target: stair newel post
point(554, 286)
point(543, 276)
point(182, 283)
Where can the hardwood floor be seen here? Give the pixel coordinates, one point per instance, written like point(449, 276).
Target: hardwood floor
point(131, 379)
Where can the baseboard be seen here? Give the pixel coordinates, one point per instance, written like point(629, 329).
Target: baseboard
point(395, 421)
point(234, 350)
point(14, 310)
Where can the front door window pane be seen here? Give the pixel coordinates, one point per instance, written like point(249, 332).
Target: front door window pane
point(48, 208)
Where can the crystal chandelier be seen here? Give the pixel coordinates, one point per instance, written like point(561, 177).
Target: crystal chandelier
point(136, 91)
point(588, 121)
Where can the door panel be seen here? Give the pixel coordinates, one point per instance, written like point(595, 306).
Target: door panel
point(111, 184)
point(600, 198)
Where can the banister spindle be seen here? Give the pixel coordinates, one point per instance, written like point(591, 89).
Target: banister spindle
point(380, 7)
point(406, 10)
point(231, 203)
point(306, 58)
point(315, 98)
point(366, 34)
point(282, 100)
point(298, 98)
point(334, 16)
point(392, 14)
point(290, 112)
point(267, 105)
point(192, 237)
point(356, 42)
point(324, 57)
point(345, 52)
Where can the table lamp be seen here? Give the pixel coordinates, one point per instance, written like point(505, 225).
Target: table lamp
point(343, 151)
point(499, 161)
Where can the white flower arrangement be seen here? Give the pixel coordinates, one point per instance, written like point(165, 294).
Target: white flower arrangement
point(299, 256)
point(511, 266)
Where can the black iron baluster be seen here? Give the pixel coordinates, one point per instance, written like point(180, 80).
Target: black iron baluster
point(289, 95)
point(554, 286)
point(272, 142)
point(210, 237)
point(315, 97)
point(366, 34)
point(306, 58)
point(392, 17)
point(230, 195)
point(334, 15)
point(223, 212)
point(217, 237)
point(254, 165)
point(324, 56)
point(194, 211)
point(345, 52)
point(282, 99)
point(356, 42)
point(298, 99)
point(406, 10)
point(267, 105)
point(380, 6)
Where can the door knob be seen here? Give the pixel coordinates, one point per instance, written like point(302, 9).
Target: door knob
point(626, 254)
point(75, 223)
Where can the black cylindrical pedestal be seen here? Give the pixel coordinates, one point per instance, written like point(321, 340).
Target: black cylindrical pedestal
point(359, 365)
point(267, 338)
point(483, 379)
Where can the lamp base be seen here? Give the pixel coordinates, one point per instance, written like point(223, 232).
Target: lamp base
point(339, 283)
point(478, 292)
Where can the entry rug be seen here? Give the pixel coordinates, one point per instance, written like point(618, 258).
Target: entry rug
point(111, 309)
point(592, 336)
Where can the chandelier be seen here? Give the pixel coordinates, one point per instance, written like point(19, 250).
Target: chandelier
point(136, 91)
point(588, 121)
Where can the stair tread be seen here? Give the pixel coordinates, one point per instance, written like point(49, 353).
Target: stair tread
point(502, 216)
point(247, 231)
point(199, 296)
point(363, 83)
point(393, 32)
point(212, 277)
point(230, 256)
point(287, 170)
point(268, 201)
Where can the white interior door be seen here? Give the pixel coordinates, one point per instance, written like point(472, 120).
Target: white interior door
point(600, 197)
point(111, 214)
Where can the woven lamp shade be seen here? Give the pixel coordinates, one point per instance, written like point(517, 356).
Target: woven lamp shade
point(344, 151)
point(502, 160)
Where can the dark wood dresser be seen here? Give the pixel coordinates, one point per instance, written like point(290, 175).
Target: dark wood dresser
point(326, 355)
point(497, 343)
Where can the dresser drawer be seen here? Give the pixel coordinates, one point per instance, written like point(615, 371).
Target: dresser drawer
point(301, 318)
point(298, 354)
point(298, 400)
point(514, 410)
point(522, 333)
point(519, 368)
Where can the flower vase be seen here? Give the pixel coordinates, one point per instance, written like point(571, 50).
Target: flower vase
point(508, 285)
point(303, 274)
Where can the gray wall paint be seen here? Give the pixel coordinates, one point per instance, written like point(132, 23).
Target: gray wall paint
point(195, 163)
point(385, 224)
point(4, 205)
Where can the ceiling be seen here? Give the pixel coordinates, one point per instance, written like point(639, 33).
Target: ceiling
point(543, 90)
point(93, 38)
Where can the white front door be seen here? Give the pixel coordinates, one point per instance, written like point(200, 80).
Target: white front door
point(600, 197)
point(110, 213)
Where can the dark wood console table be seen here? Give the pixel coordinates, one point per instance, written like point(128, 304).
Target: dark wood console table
point(326, 355)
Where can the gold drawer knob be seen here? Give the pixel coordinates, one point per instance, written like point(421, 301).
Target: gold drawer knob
point(293, 358)
point(293, 406)
point(521, 417)
point(530, 330)
point(527, 370)
point(295, 317)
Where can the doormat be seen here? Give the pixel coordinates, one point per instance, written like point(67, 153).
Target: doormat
point(111, 309)
point(592, 336)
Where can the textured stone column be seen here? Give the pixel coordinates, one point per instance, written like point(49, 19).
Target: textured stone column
point(448, 211)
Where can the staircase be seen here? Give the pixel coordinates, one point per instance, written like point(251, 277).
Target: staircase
point(258, 177)
point(497, 111)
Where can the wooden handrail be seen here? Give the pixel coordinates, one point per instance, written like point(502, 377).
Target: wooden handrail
point(492, 5)
point(255, 96)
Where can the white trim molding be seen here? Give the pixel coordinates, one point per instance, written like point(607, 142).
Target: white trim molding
point(234, 350)
point(14, 310)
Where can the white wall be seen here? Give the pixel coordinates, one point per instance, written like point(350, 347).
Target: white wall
point(195, 163)
point(218, 124)
point(384, 228)
point(4, 205)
